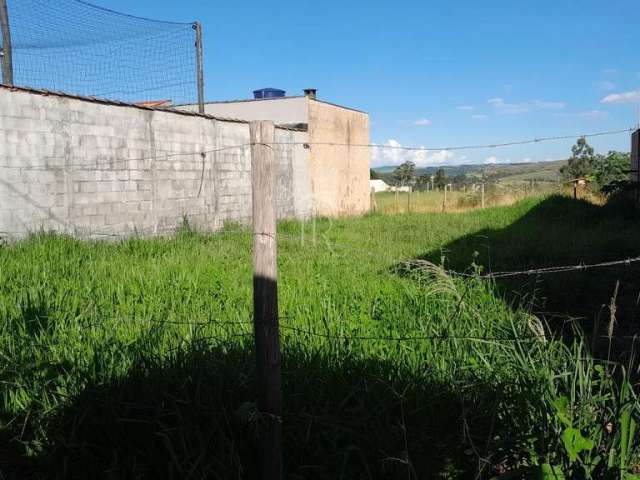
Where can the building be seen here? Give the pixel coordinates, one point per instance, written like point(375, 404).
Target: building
point(337, 148)
point(400, 188)
point(378, 186)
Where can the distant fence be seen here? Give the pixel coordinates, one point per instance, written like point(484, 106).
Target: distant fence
point(75, 47)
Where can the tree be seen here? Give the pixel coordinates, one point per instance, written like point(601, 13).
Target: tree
point(423, 181)
point(404, 173)
point(373, 175)
point(440, 179)
point(460, 179)
point(613, 167)
point(580, 164)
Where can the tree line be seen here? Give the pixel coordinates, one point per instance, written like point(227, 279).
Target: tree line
point(603, 171)
point(405, 175)
point(606, 173)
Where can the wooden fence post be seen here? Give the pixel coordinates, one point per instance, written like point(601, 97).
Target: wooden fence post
point(265, 301)
point(482, 199)
point(444, 202)
point(373, 204)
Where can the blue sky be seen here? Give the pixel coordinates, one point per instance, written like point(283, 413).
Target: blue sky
point(433, 73)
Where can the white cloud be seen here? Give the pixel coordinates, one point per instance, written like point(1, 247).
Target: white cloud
point(422, 122)
point(610, 71)
point(465, 108)
point(606, 85)
point(394, 154)
point(479, 117)
point(542, 105)
point(491, 160)
point(440, 156)
point(506, 108)
point(594, 115)
point(624, 97)
point(388, 156)
point(587, 115)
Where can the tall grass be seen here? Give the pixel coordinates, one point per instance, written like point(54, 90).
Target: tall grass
point(133, 360)
point(459, 200)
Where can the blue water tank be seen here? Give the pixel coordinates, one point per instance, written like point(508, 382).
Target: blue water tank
point(268, 93)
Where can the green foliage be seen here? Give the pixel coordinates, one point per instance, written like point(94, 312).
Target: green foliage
point(440, 179)
point(423, 182)
point(551, 472)
point(575, 443)
point(461, 179)
point(134, 359)
point(373, 175)
point(607, 171)
point(611, 169)
point(404, 173)
point(580, 164)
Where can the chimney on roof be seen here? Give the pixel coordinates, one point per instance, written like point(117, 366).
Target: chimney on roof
point(310, 93)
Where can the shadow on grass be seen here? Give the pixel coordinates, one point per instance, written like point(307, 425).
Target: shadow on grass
point(561, 231)
point(193, 417)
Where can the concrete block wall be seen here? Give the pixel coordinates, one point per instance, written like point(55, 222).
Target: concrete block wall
point(339, 172)
point(95, 169)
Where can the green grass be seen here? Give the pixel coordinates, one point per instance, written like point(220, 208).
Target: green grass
point(458, 200)
point(134, 359)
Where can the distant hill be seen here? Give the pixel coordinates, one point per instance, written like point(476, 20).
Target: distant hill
point(540, 171)
point(505, 173)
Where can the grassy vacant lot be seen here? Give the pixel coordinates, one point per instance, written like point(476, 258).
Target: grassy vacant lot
point(497, 194)
point(134, 360)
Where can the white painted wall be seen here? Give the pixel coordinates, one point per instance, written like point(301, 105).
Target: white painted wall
point(378, 185)
point(285, 110)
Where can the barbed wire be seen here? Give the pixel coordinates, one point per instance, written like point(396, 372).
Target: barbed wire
point(443, 337)
point(556, 269)
point(582, 266)
point(409, 266)
point(465, 147)
point(92, 165)
point(165, 155)
point(504, 274)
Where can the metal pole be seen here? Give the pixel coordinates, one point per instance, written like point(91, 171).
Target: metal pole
point(635, 164)
point(7, 57)
point(265, 301)
point(199, 68)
